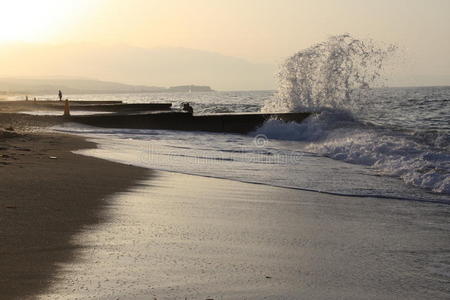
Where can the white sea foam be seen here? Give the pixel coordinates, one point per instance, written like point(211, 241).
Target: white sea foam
point(239, 157)
point(391, 153)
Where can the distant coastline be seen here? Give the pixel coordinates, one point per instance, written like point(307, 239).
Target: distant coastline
point(24, 86)
point(189, 88)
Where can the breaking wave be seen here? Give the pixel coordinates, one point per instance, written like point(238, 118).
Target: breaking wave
point(334, 78)
point(339, 136)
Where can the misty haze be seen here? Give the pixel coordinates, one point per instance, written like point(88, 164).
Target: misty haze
point(224, 149)
point(163, 67)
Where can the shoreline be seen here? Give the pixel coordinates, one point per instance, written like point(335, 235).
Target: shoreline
point(80, 226)
point(232, 240)
point(49, 194)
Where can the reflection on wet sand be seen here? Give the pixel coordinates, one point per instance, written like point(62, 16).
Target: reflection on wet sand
point(182, 236)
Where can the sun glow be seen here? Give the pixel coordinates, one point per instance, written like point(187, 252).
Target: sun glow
point(35, 20)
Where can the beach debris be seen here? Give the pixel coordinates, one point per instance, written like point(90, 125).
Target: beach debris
point(52, 157)
point(268, 277)
point(10, 128)
point(10, 207)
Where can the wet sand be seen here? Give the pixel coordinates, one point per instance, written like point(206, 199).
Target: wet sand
point(74, 226)
point(47, 195)
point(188, 237)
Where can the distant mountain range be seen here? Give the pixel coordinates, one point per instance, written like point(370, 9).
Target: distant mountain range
point(140, 67)
point(51, 85)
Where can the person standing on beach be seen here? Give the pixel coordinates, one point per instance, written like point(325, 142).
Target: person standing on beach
point(60, 95)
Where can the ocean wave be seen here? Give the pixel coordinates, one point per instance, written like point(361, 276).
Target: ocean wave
point(339, 136)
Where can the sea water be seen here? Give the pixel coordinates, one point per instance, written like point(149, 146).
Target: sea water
point(378, 142)
point(399, 150)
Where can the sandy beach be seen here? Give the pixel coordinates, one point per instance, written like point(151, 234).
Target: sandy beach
point(78, 227)
point(180, 236)
point(48, 195)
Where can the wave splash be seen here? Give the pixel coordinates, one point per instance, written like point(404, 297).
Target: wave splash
point(329, 74)
point(334, 78)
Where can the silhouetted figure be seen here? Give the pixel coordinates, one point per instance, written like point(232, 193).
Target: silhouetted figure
point(188, 108)
point(60, 95)
point(26, 98)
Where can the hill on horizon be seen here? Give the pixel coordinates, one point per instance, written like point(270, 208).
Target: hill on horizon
point(136, 66)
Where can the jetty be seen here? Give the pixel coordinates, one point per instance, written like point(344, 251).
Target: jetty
point(116, 114)
point(231, 123)
point(79, 105)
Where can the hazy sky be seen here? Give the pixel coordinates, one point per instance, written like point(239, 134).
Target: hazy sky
point(263, 31)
